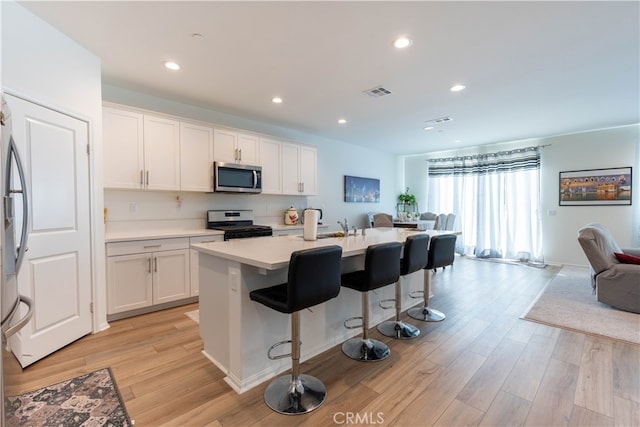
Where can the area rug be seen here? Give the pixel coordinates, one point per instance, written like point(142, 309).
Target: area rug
point(193, 315)
point(88, 400)
point(568, 302)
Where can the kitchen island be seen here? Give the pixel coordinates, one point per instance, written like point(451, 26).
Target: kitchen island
point(237, 332)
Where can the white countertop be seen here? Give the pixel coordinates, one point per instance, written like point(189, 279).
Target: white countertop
point(123, 236)
point(273, 253)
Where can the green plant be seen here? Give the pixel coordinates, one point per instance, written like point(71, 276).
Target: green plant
point(407, 198)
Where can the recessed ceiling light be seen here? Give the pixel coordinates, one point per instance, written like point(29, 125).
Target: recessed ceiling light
point(173, 66)
point(428, 128)
point(276, 100)
point(342, 121)
point(457, 88)
point(402, 42)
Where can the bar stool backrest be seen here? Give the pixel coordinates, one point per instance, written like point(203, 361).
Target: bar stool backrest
point(314, 277)
point(382, 264)
point(441, 251)
point(415, 254)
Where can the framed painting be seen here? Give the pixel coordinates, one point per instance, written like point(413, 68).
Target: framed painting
point(361, 190)
point(593, 187)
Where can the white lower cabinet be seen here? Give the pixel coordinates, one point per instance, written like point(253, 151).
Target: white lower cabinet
point(194, 265)
point(146, 273)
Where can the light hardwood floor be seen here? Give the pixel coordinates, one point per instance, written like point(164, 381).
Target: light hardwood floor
point(481, 366)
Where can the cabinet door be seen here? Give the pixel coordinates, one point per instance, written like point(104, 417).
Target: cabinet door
point(170, 275)
point(161, 153)
point(248, 149)
point(271, 166)
point(308, 170)
point(196, 157)
point(128, 282)
point(290, 169)
point(123, 154)
point(224, 146)
point(194, 261)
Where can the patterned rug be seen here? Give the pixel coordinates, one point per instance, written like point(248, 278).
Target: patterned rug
point(88, 400)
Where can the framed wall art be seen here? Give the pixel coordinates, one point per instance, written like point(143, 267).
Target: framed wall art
point(592, 187)
point(361, 190)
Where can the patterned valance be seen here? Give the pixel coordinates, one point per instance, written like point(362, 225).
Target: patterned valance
point(501, 161)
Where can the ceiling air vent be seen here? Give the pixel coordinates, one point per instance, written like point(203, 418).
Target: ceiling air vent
point(377, 91)
point(439, 120)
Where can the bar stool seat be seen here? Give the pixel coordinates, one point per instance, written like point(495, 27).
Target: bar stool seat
point(414, 259)
point(313, 278)
point(441, 253)
point(381, 268)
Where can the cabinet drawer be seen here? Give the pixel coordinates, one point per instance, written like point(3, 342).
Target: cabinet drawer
point(145, 246)
point(207, 239)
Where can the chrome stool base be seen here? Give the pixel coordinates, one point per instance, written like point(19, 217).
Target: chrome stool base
point(292, 397)
point(365, 350)
point(398, 329)
point(426, 314)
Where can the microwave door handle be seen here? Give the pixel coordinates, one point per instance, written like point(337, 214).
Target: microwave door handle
point(27, 317)
point(255, 179)
point(13, 150)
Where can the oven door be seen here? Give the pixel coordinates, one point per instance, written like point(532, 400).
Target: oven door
point(235, 178)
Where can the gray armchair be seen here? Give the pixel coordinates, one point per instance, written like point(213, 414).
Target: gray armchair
point(614, 283)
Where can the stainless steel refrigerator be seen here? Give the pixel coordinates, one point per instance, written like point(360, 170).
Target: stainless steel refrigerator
point(14, 214)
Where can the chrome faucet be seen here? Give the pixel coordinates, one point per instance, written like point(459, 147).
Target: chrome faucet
point(345, 227)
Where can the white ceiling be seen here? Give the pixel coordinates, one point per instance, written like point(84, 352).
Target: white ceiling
point(532, 69)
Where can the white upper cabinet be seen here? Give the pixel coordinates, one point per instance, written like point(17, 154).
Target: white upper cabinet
point(299, 169)
point(155, 152)
point(270, 160)
point(233, 147)
point(196, 157)
point(140, 151)
point(161, 153)
point(123, 148)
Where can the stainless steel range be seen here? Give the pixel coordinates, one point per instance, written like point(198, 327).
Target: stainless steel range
point(236, 224)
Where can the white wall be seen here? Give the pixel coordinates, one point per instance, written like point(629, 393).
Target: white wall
point(609, 148)
point(335, 159)
point(44, 66)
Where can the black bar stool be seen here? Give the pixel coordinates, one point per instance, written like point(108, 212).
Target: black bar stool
point(441, 253)
point(413, 259)
point(314, 277)
point(381, 268)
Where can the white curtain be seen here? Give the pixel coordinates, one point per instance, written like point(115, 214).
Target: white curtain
point(496, 199)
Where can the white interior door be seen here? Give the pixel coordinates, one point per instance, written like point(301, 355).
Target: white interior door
point(56, 271)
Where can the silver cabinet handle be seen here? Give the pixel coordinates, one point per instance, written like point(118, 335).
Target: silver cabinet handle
point(151, 246)
point(141, 177)
point(149, 264)
point(239, 154)
point(155, 264)
point(147, 177)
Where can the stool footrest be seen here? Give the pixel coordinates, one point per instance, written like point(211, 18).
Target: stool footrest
point(387, 307)
point(276, 345)
point(351, 319)
point(417, 294)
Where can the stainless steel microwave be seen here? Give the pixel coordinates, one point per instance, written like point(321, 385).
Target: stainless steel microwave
point(236, 178)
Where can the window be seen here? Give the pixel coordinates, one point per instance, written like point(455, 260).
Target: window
point(496, 197)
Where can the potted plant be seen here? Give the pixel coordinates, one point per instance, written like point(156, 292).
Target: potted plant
point(407, 198)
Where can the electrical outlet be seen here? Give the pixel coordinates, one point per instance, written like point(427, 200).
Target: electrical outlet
point(133, 207)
